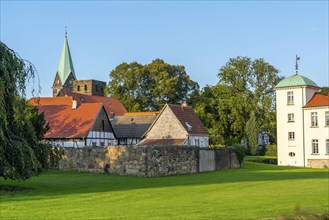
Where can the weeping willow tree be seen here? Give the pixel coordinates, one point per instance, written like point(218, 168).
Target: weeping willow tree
point(22, 155)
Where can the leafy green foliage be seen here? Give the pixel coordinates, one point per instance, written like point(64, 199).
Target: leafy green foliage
point(271, 150)
point(244, 86)
point(240, 152)
point(149, 87)
point(21, 153)
point(252, 130)
point(324, 90)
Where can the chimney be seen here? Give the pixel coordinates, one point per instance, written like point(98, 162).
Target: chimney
point(74, 104)
point(184, 104)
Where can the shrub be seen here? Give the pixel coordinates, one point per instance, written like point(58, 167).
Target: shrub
point(271, 150)
point(240, 152)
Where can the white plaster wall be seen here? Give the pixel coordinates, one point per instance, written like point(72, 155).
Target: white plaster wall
point(301, 96)
point(321, 133)
point(203, 140)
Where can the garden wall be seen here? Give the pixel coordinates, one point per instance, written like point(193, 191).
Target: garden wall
point(147, 161)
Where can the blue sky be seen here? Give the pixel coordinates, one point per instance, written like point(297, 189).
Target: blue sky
point(201, 35)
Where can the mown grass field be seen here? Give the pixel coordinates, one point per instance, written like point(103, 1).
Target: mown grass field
point(254, 192)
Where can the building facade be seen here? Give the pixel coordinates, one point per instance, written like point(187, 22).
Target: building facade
point(299, 142)
point(177, 125)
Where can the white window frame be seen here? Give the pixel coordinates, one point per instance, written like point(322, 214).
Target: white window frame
point(327, 146)
point(291, 136)
point(314, 119)
point(291, 117)
point(326, 116)
point(290, 98)
point(315, 146)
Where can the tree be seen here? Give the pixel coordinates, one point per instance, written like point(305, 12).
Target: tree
point(244, 86)
point(324, 90)
point(21, 153)
point(149, 87)
point(252, 130)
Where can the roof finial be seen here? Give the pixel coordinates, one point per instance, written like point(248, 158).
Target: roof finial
point(297, 59)
point(65, 30)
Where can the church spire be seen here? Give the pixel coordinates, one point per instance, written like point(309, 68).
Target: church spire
point(65, 67)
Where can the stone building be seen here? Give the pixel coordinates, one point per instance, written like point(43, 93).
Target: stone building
point(176, 125)
point(89, 87)
point(302, 123)
point(66, 81)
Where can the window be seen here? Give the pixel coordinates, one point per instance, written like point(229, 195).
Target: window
point(96, 88)
point(196, 142)
point(327, 146)
point(314, 119)
point(78, 88)
point(290, 98)
point(86, 87)
point(327, 118)
point(291, 136)
point(291, 154)
point(291, 117)
point(315, 146)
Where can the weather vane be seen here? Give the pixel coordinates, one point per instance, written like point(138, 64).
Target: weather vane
point(297, 59)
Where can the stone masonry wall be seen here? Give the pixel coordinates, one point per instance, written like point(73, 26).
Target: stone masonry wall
point(150, 161)
point(318, 163)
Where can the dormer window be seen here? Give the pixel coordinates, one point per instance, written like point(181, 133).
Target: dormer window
point(109, 102)
point(290, 98)
point(189, 127)
point(82, 99)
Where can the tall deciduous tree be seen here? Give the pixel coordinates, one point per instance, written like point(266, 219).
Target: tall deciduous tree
point(149, 87)
point(21, 153)
point(245, 85)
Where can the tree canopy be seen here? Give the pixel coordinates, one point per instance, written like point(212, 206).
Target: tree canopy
point(244, 86)
point(21, 128)
point(149, 87)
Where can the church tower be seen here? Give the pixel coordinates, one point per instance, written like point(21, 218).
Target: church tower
point(65, 75)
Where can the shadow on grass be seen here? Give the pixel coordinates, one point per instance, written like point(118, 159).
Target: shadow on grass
point(57, 183)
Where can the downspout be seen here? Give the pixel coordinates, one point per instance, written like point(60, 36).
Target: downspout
point(303, 126)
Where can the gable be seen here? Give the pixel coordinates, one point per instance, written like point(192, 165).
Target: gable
point(166, 126)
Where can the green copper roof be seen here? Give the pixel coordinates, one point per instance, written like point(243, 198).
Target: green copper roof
point(296, 80)
point(65, 66)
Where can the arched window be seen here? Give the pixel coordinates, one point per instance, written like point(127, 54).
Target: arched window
point(78, 88)
point(86, 88)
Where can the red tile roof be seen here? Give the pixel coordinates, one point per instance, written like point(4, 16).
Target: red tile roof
point(188, 119)
point(141, 113)
point(51, 101)
point(318, 100)
point(112, 106)
point(65, 122)
point(162, 142)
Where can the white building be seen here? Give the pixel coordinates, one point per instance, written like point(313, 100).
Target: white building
point(302, 123)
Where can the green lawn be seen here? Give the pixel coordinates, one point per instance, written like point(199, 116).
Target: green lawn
point(254, 192)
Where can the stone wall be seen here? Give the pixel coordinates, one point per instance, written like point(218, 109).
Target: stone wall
point(147, 161)
point(318, 163)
